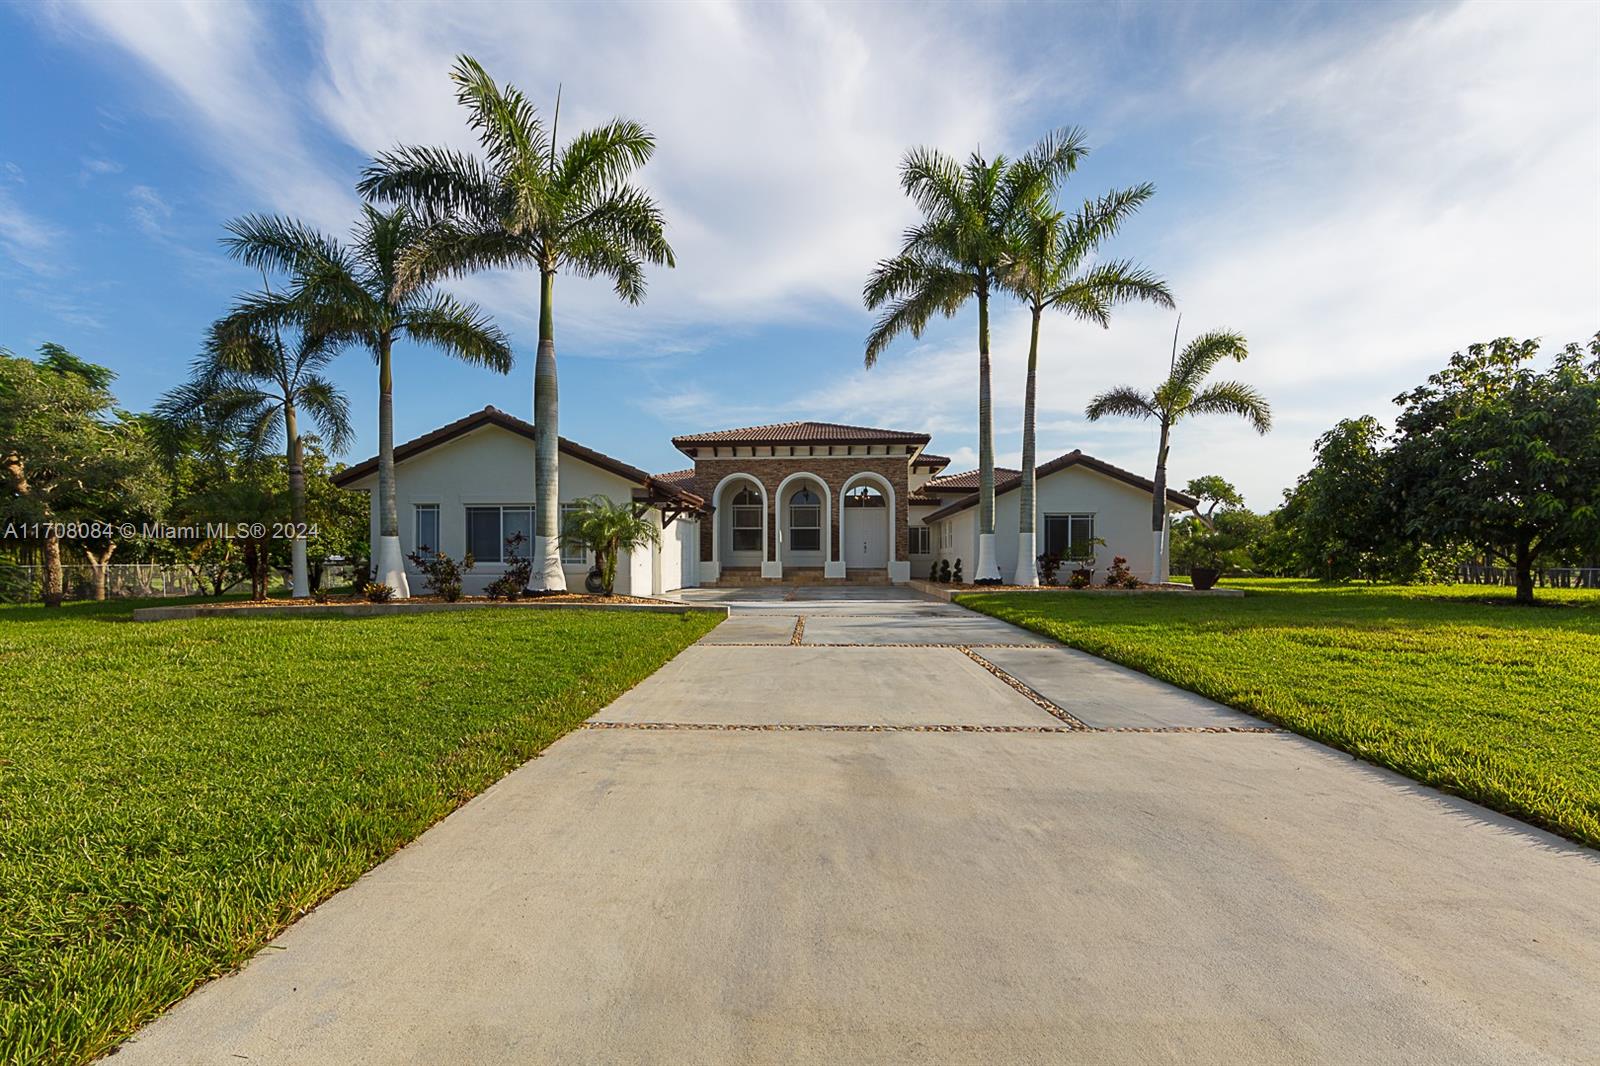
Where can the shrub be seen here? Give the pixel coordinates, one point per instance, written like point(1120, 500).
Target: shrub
point(442, 573)
point(519, 571)
point(1080, 579)
point(605, 530)
point(955, 574)
point(1119, 576)
point(944, 571)
point(378, 592)
point(1049, 568)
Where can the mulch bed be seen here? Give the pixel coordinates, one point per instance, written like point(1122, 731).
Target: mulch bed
point(344, 601)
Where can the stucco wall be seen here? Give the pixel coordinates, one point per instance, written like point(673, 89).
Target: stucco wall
point(1122, 520)
point(491, 465)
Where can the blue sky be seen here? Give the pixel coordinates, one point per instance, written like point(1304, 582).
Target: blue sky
point(1360, 189)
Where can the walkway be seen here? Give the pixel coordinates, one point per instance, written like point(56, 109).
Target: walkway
point(858, 825)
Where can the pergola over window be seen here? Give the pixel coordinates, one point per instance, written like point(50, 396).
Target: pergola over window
point(747, 509)
point(805, 521)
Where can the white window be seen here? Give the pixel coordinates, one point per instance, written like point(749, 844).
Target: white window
point(919, 540)
point(488, 529)
point(571, 554)
point(427, 542)
point(747, 522)
point(1069, 535)
point(805, 521)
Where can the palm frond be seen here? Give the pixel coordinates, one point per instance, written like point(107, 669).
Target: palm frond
point(329, 409)
point(506, 122)
point(938, 291)
point(1233, 398)
point(447, 249)
point(276, 243)
point(461, 330)
point(1202, 354)
point(1124, 400)
point(597, 160)
point(627, 218)
point(1117, 281)
point(434, 182)
point(933, 181)
point(1099, 220)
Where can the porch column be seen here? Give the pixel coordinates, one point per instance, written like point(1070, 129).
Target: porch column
point(771, 561)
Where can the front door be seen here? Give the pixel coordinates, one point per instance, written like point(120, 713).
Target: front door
point(866, 537)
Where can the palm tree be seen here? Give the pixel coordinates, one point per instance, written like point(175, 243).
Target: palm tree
point(355, 294)
point(607, 529)
point(527, 203)
point(251, 385)
point(960, 249)
point(1050, 271)
point(1179, 397)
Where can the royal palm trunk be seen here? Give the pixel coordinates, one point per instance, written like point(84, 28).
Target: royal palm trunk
point(389, 568)
point(1158, 508)
point(986, 571)
point(1027, 542)
point(299, 577)
point(547, 573)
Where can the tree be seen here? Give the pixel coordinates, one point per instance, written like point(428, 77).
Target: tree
point(1496, 454)
point(1179, 397)
point(250, 384)
point(1049, 269)
point(355, 293)
point(1339, 511)
point(71, 460)
point(962, 248)
point(528, 203)
point(1213, 492)
point(608, 529)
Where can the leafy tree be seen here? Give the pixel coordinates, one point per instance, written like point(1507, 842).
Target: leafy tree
point(1182, 395)
point(1052, 268)
point(354, 293)
point(1496, 454)
point(528, 203)
point(251, 384)
point(69, 456)
point(963, 248)
point(1212, 491)
point(1340, 510)
point(608, 529)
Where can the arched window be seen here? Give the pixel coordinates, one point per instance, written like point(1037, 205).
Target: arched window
point(805, 521)
point(747, 521)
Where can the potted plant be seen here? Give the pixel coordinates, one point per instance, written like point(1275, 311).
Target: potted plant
point(1207, 553)
point(607, 530)
point(1084, 571)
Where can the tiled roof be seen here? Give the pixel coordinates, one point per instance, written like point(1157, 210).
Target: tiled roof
point(682, 479)
point(802, 433)
point(967, 481)
point(937, 462)
point(1013, 478)
point(493, 416)
point(917, 499)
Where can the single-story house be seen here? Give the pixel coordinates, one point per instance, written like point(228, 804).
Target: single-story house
point(796, 501)
point(1077, 499)
point(468, 486)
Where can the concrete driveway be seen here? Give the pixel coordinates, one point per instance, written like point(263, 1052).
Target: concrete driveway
point(862, 826)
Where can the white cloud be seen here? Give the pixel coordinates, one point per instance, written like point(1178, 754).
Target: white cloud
point(216, 60)
point(149, 211)
point(25, 238)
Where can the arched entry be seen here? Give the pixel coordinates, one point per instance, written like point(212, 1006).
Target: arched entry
point(739, 534)
point(867, 530)
point(805, 529)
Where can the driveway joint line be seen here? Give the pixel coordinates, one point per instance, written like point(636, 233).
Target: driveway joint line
point(1026, 690)
point(799, 633)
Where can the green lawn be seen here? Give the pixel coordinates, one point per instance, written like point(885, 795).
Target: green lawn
point(174, 794)
point(1453, 686)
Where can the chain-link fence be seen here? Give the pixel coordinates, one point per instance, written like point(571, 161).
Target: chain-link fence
point(22, 583)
